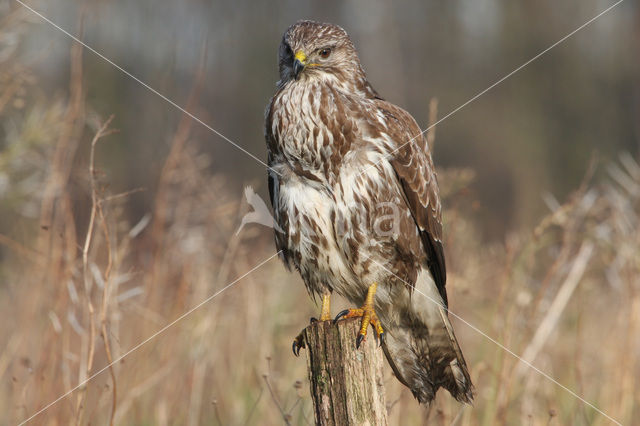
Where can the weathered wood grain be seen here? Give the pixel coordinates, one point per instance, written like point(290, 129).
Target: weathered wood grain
point(346, 383)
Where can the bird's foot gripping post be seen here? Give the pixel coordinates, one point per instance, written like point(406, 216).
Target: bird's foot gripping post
point(347, 386)
point(368, 315)
point(325, 315)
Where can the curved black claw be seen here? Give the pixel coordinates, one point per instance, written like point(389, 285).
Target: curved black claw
point(312, 320)
point(298, 343)
point(340, 315)
point(381, 338)
point(359, 340)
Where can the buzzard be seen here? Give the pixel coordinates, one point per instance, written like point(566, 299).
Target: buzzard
point(354, 193)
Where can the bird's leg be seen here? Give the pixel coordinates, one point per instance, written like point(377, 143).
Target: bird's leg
point(368, 315)
point(325, 315)
point(325, 309)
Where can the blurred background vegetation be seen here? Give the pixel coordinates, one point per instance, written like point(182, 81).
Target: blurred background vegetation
point(538, 174)
point(531, 134)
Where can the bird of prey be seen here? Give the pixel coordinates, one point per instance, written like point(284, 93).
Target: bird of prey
point(354, 192)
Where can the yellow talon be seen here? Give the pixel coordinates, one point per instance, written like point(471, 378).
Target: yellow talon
point(325, 315)
point(368, 315)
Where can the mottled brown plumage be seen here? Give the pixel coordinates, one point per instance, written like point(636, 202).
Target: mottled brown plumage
point(357, 204)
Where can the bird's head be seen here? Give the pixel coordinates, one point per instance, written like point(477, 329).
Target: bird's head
point(315, 50)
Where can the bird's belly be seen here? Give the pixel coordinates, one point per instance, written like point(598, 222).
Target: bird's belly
point(309, 213)
point(372, 222)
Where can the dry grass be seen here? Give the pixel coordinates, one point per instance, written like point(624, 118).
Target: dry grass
point(81, 285)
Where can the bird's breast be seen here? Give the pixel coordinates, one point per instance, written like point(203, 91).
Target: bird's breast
point(304, 126)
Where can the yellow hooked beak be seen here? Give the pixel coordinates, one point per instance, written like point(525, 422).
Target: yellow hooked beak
point(299, 63)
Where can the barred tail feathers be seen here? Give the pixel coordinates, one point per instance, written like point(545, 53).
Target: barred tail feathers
point(421, 347)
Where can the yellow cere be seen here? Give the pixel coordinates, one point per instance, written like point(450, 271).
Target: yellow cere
point(301, 56)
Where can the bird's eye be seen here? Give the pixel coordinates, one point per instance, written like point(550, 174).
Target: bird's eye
point(324, 53)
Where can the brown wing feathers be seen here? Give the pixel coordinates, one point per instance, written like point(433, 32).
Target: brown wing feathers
point(414, 168)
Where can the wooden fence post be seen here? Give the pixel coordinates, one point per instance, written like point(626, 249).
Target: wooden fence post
point(346, 383)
